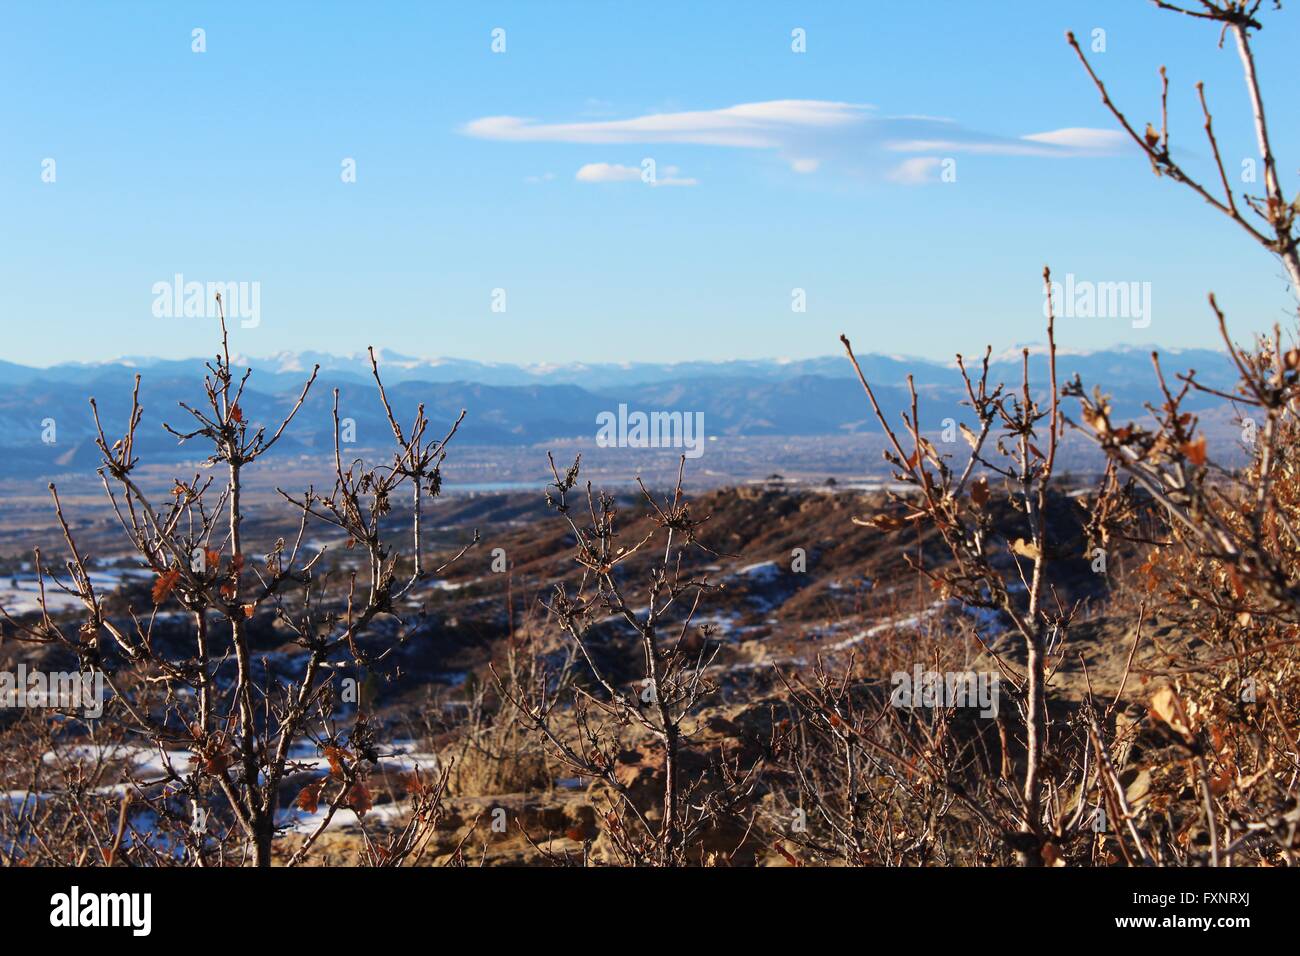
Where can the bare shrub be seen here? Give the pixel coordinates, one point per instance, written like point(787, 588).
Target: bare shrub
point(207, 692)
point(586, 711)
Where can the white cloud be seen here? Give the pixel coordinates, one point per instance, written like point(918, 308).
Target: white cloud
point(804, 133)
point(747, 125)
point(618, 173)
point(607, 173)
point(1062, 142)
point(1082, 138)
point(913, 172)
point(669, 177)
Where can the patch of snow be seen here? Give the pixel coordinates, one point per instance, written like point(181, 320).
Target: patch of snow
point(21, 593)
point(763, 571)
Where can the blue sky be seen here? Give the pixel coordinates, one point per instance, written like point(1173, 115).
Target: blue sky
point(225, 166)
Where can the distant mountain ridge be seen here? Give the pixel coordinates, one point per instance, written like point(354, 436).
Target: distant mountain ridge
point(403, 368)
point(516, 405)
point(398, 367)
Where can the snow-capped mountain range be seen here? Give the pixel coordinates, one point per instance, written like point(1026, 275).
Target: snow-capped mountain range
point(398, 367)
point(520, 405)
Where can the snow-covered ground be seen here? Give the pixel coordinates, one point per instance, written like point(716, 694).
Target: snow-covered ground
point(763, 571)
point(147, 765)
point(143, 764)
point(988, 623)
point(21, 593)
point(404, 754)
